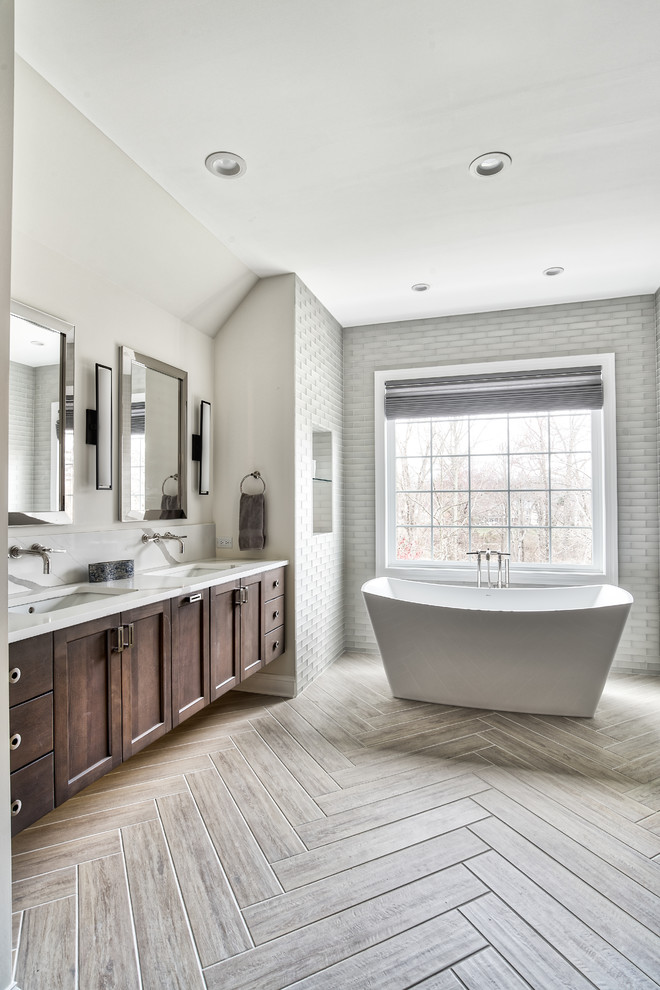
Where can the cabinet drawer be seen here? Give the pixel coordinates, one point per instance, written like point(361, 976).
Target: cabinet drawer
point(32, 793)
point(273, 582)
point(273, 644)
point(274, 616)
point(30, 668)
point(30, 730)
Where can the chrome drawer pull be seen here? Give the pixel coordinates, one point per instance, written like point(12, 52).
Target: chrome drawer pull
point(194, 598)
point(15, 741)
point(276, 613)
point(14, 675)
point(16, 807)
point(276, 584)
point(276, 644)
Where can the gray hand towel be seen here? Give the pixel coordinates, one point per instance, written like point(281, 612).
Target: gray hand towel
point(251, 514)
point(169, 507)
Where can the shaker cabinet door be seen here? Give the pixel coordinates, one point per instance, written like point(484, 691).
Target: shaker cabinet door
point(87, 704)
point(190, 655)
point(146, 675)
point(225, 639)
point(251, 626)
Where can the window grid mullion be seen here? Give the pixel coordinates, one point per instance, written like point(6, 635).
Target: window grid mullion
point(469, 457)
point(549, 495)
point(508, 481)
point(431, 487)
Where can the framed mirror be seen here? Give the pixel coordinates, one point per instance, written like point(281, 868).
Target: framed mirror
point(153, 399)
point(41, 373)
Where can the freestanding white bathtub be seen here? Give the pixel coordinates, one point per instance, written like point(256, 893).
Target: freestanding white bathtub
point(541, 650)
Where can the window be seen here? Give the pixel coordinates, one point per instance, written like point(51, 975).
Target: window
point(516, 457)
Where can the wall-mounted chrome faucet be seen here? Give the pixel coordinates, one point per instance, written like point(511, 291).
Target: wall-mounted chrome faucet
point(157, 537)
point(502, 566)
point(38, 551)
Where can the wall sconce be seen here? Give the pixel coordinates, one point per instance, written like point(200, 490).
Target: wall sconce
point(201, 447)
point(99, 427)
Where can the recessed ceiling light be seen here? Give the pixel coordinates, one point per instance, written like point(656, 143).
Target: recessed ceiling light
point(491, 164)
point(420, 287)
point(226, 164)
point(556, 270)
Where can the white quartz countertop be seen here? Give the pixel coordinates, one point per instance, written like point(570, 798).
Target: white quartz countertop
point(145, 588)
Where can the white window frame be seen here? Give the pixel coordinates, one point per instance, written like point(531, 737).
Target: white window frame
point(604, 568)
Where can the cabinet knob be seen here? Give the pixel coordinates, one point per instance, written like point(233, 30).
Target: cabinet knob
point(16, 807)
point(276, 613)
point(14, 675)
point(15, 741)
point(276, 644)
point(276, 584)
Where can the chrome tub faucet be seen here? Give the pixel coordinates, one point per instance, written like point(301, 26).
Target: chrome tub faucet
point(502, 566)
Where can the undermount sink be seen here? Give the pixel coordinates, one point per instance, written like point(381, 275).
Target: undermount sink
point(58, 598)
point(193, 570)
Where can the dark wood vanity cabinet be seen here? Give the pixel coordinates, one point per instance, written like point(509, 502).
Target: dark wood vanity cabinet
point(190, 655)
point(237, 633)
point(88, 729)
point(31, 730)
point(146, 676)
point(112, 693)
point(84, 699)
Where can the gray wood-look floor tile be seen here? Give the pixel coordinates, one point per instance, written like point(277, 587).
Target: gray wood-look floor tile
point(323, 943)
point(215, 918)
point(168, 961)
point(301, 906)
point(349, 839)
point(247, 869)
point(487, 970)
point(105, 946)
point(47, 949)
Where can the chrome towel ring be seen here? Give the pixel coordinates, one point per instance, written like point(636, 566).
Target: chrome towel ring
point(174, 476)
point(253, 474)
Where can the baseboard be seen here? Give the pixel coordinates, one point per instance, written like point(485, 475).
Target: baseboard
point(280, 685)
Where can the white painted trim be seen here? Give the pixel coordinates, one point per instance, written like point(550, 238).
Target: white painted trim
point(280, 685)
point(605, 493)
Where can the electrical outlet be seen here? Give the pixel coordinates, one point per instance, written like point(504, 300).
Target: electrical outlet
point(224, 543)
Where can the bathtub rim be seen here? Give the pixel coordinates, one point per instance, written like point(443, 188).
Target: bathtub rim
point(622, 597)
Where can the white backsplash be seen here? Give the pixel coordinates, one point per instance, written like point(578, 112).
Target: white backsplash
point(82, 549)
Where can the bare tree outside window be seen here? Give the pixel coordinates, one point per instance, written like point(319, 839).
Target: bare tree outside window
point(520, 483)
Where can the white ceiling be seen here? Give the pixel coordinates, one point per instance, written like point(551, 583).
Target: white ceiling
point(358, 120)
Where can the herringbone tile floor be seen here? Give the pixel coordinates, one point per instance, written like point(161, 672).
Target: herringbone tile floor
point(350, 840)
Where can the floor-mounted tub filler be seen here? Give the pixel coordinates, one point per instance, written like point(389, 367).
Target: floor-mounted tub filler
point(541, 650)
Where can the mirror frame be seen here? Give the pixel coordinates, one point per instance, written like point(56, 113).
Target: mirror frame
point(59, 517)
point(127, 357)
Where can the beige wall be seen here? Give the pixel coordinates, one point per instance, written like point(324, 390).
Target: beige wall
point(100, 245)
point(253, 417)
point(6, 110)
point(76, 193)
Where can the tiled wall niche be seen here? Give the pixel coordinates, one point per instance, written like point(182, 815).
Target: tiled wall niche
point(625, 326)
point(322, 474)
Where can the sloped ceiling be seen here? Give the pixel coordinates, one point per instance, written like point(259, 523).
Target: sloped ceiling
point(358, 120)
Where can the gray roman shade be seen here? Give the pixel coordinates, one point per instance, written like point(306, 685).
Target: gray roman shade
point(510, 391)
